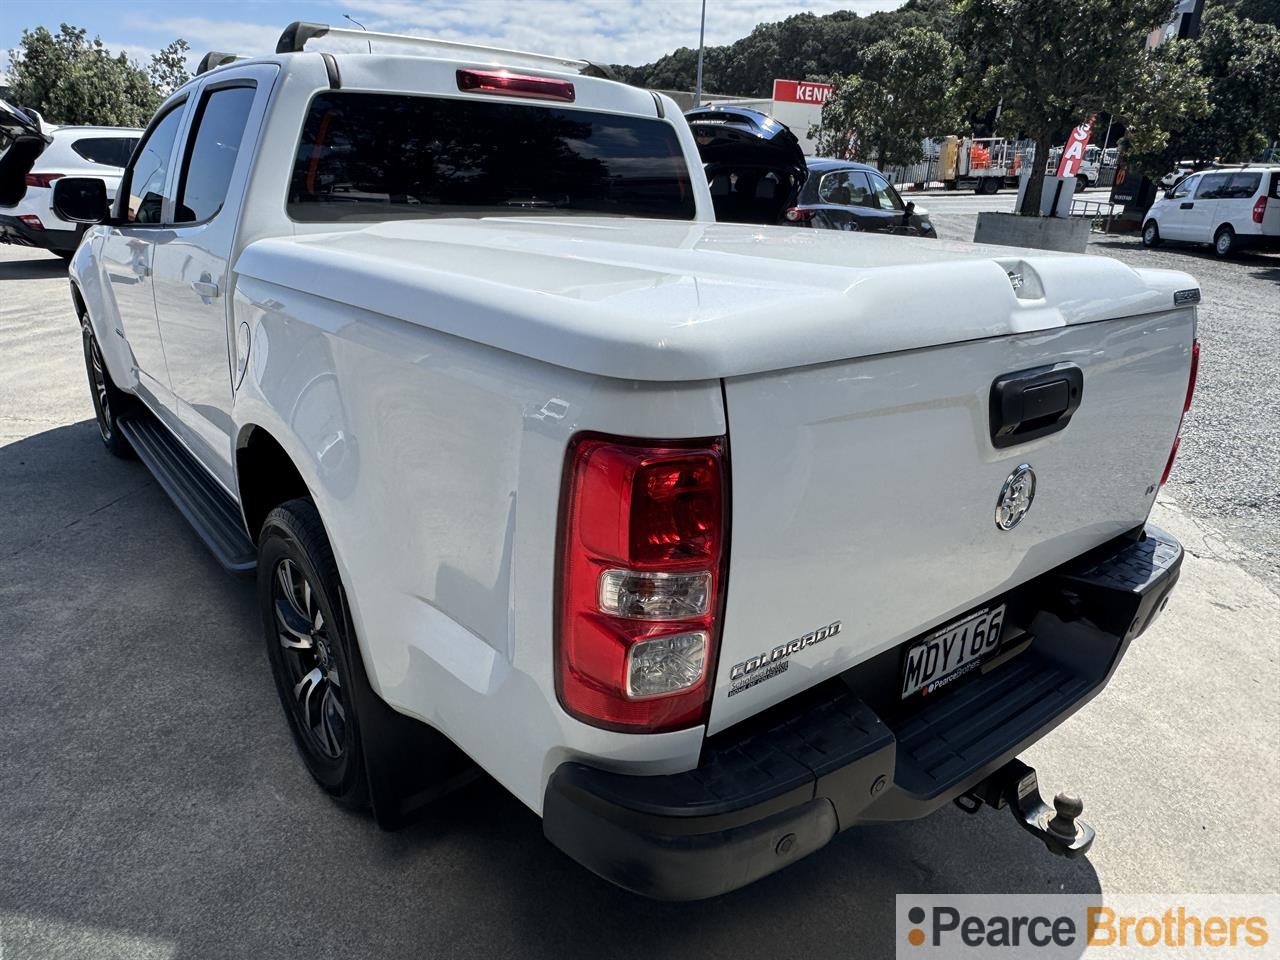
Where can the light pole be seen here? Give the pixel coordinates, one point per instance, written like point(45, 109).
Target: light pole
point(702, 33)
point(362, 27)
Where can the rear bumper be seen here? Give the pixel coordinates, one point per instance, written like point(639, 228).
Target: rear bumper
point(768, 793)
point(13, 230)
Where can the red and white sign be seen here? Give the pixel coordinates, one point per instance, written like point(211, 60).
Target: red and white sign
point(1073, 153)
point(801, 91)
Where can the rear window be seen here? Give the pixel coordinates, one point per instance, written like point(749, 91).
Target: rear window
point(111, 151)
point(1275, 186)
point(366, 156)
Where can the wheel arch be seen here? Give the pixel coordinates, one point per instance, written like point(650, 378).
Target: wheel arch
point(266, 476)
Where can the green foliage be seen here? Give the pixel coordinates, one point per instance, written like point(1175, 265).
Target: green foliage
point(1238, 63)
point(1052, 64)
point(72, 80)
point(899, 94)
point(802, 47)
point(1171, 92)
point(168, 70)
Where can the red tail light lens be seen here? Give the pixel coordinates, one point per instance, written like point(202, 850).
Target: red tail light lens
point(43, 179)
point(800, 215)
point(31, 220)
point(1186, 405)
point(1259, 209)
point(514, 85)
point(640, 581)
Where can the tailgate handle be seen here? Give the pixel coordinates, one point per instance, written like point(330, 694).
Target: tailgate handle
point(1034, 403)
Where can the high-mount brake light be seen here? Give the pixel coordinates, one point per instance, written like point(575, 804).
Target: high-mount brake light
point(641, 581)
point(514, 85)
point(1186, 406)
point(43, 179)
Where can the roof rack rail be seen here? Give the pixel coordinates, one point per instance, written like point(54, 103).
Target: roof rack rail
point(213, 59)
point(295, 37)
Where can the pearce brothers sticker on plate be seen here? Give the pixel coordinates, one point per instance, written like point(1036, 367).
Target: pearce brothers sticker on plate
point(766, 666)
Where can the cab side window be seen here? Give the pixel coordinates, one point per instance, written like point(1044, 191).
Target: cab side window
point(150, 170)
point(211, 152)
point(1184, 188)
point(886, 197)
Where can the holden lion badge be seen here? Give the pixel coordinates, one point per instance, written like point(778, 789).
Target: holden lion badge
point(1015, 497)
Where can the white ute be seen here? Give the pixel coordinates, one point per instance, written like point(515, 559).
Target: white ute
point(707, 541)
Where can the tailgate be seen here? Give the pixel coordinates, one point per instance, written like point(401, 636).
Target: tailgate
point(864, 491)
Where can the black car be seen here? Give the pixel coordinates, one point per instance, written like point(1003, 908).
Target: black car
point(758, 174)
point(843, 195)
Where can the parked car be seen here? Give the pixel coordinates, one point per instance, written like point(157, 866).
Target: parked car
point(842, 195)
point(27, 216)
point(1229, 208)
point(707, 541)
point(754, 165)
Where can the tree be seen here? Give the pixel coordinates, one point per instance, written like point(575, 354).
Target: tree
point(1054, 64)
point(801, 47)
point(1237, 63)
point(168, 70)
point(1151, 113)
point(71, 80)
point(899, 95)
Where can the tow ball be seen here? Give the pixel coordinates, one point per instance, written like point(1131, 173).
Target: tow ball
point(1015, 785)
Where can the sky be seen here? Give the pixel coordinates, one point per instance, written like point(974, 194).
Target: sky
point(608, 31)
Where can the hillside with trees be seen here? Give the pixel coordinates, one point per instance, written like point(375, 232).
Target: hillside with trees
point(804, 46)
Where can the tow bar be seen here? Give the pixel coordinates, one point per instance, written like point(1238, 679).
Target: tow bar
point(1059, 826)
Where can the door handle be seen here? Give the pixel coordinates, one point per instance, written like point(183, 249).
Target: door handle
point(1034, 403)
point(206, 288)
point(1186, 206)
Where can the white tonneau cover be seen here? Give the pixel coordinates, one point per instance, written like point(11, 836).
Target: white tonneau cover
point(668, 300)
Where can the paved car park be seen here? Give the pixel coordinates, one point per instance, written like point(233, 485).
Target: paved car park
point(153, 805)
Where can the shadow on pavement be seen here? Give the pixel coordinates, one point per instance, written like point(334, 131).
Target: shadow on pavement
point(33, 269)
point(151, 798)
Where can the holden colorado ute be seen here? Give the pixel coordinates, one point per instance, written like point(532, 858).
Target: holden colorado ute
point(707, 541)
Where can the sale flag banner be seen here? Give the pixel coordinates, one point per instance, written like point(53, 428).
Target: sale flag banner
point(1073, 152)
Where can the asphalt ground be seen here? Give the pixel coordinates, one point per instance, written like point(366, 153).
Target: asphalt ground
point(152, 805)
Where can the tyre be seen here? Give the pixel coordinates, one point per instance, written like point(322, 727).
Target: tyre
point(1082, 183)
point(949, 184)
point(109, 401)
point(992, 186)
point(1151, 234)
point(1224, 242)
point(312, 648)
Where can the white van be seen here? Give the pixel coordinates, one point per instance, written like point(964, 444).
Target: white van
point(1228, 208)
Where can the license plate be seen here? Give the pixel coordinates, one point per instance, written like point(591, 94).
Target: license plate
point(951, 652)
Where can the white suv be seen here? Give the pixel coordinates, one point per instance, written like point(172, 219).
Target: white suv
point(99, 152)
point(1228, 208)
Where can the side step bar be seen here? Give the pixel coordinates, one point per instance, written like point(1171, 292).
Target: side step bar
point(207, 507)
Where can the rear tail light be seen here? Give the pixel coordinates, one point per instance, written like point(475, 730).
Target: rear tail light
point(43, 179)
point(515, 85)
point(1186, 405)
point(32, 221)
point(1259, 209)
point(800, 215)
point(641, 581)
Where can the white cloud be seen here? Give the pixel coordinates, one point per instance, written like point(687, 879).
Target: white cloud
point(606, 31)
